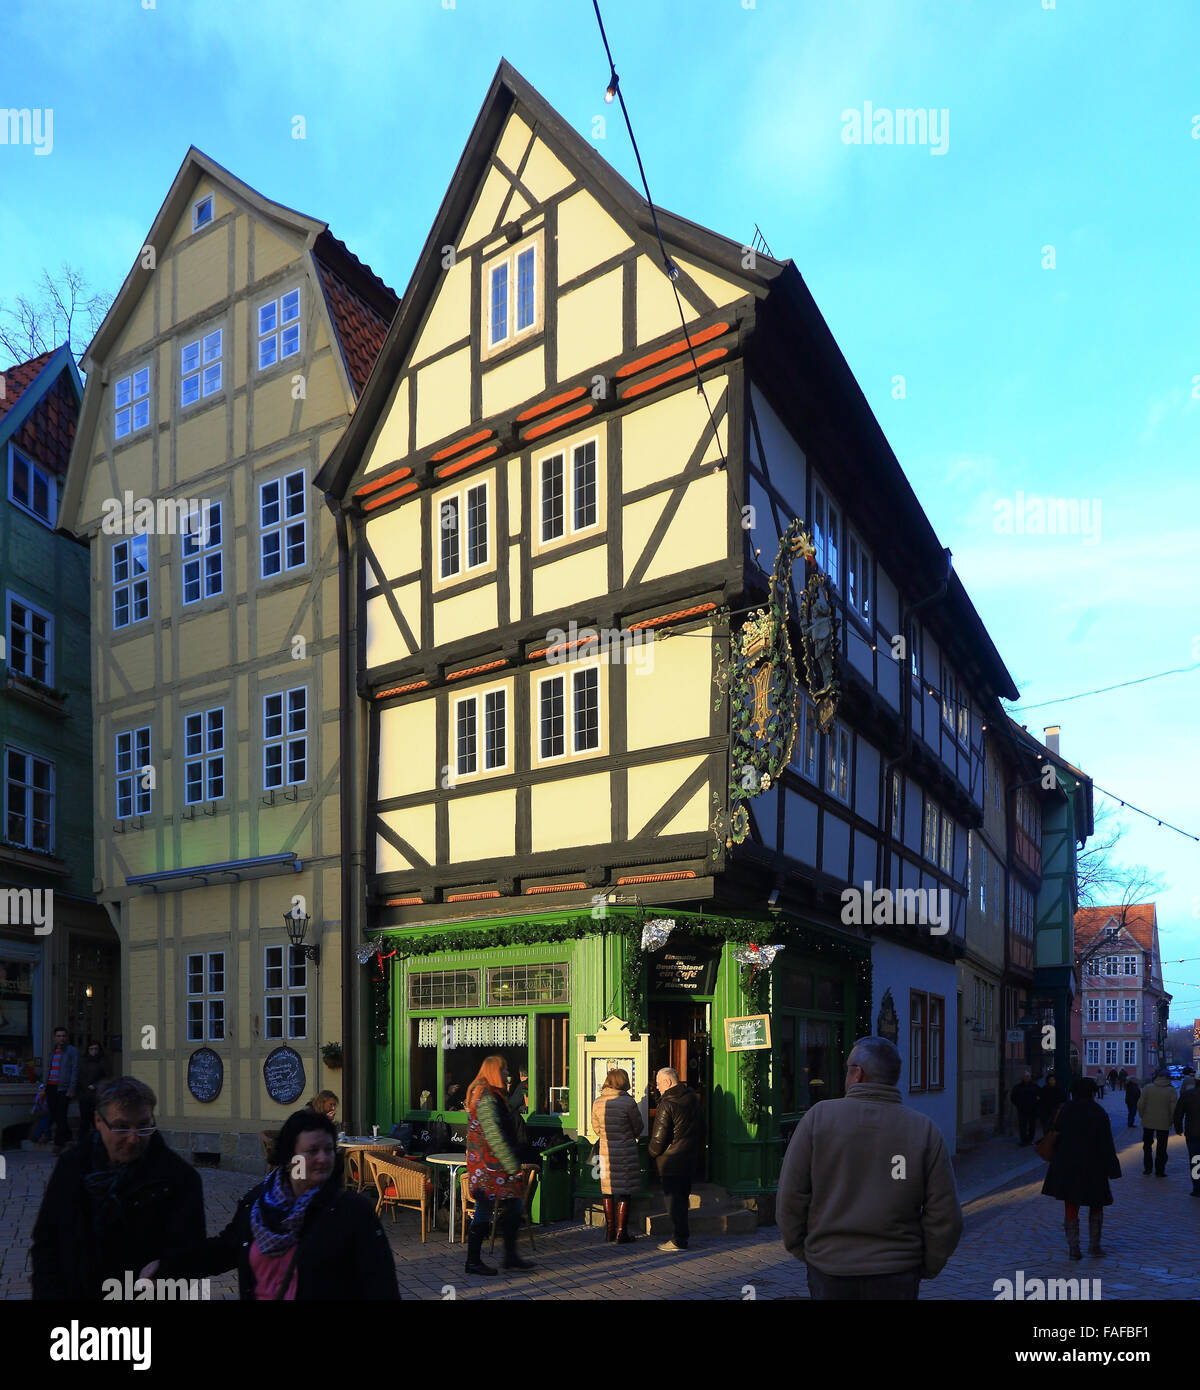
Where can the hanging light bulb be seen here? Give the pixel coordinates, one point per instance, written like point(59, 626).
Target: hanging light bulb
point(611, 90)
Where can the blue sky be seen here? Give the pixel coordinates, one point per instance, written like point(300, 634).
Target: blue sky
point(1072, 128)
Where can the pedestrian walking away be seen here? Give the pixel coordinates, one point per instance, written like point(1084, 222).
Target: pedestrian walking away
point(1187, 1123)
point(297, 1234)
point(676, 1144)
point(114, 1200)
point(864, 1234)
point(1157, 1110)
point(1122, 1077)
point(493, 1166)
point(93, 1072)
point(1048, 1102)
point(1112, 1078)
point(62, 1076)
point(1084, 1159)
point(1133, 1093)
point(617, 1120)
point(1025, 1096)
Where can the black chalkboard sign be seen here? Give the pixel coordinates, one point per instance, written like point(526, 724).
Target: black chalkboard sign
point(206, 1074)
point(283, 1072)
point(683, 970)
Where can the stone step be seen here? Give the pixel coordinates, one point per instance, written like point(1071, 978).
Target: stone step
point(739, 1222)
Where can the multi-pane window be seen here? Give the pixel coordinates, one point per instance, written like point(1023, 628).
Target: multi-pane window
point(1112, 965)
point(440, 989)
point(285, 737)
point(1093, 966)
point(1129, 1049)
point(131, 403)
point(131, 581)
point(481, 732)
point(463, 528)
point(1093, 1011)
point(1093, 1052)
point(285, 987)
point(203, 575)
point(917, 1039)
point(1110, 1011)
point(28, 800)
point(858, 577)
point(1111, 1046)
point(937, 1042)
point(528, 984)
point(837, 770)
point(1129, 1010)
point(512, 295)
point(930, 844)
point(827, 535)
point(134, 781)
point(568, 724)
point(1129, 965)
point(897, 812)
point(807, 745)
point(204, 756)
point(278, 329)
point(916, 653)
point(984, 866)
point(206, 996)
point(30, 641)
point(32, 488)
point(282, 528)
point(947, 859)
point(200, 367)
point(582, 505)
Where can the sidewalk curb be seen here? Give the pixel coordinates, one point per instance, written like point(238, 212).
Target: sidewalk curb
point(993, 1184)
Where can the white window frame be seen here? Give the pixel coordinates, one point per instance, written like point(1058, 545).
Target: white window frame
point(827, 535)
point(131, 400)
point(289, 526)
point(204, 1013)
point(34, 471)
point(1129, 1013)
point(28, 790)
point(1129, 966)
point(201, 541)
point(1093, 965)
point(837, 763)
point(130, 770)
point(1112, 965)
point(572, 466)
point(1112, 1011)
point(568, 675)
point(281, 332)
point(206, 369)
point(807, 759)
point(30, 638)
point(197, 222)
point(134, 586)
point(1110, 1051)
point(477, 701)
point(508, 260)
point(289, 965)
point(461, 498)
point(1130, 1049)
point(209, 759)
point(1093, 1010)
point(1092, 1047)
point(859, 595)
point(929, 834)
point(946, 859)
point(288, 737)
point(897, 806)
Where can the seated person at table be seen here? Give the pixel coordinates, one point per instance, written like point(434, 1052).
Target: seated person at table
point(324, 1103)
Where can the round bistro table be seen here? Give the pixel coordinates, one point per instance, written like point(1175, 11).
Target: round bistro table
point(453, 1162)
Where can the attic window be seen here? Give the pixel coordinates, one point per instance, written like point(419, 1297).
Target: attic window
point(512, 297)
point(202, 212)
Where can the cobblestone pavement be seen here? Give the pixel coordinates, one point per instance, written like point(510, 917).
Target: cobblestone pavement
point(1152, 1235)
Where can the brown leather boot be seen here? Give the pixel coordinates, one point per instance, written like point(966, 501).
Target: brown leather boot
point(610, 1219)
point(623, 1236)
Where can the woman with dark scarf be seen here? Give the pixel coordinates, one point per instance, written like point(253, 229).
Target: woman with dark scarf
point(297, 1235)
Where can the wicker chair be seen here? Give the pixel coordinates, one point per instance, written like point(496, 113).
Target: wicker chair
point(401, 1182)
point(358, 1176)
point(530, 1174)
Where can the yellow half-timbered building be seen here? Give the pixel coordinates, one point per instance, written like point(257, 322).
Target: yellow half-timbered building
point(559, 509)
point(224, 373)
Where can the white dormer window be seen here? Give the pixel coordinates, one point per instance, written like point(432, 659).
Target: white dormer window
point(278, 329)
point(202, 212)
point(200, 367)
point(131, 403)
point(33, 489)
point(512, 298)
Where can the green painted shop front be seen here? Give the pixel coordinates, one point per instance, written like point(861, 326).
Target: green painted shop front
point(529, 988)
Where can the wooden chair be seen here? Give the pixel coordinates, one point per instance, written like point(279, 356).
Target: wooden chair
point(269, 1138)
point(530, 1174)
point(401, 1182)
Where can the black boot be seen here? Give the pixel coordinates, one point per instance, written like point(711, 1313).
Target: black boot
point(475, 1264)
point(1072, 1227)
point(511, 1225)
point(610, 1219)
point(623, 1236)
point(1095, 1226)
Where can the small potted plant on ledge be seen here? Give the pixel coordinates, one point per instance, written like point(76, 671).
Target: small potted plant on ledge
point(332, 1053)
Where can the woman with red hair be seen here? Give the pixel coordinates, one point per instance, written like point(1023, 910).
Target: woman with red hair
point(493, 1168)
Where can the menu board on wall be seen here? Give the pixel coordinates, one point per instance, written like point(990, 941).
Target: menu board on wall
point(206, 1074)
point(283, 1072)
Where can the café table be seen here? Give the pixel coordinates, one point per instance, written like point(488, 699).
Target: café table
point(453, 1162)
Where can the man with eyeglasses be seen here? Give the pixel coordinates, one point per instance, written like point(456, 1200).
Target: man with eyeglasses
point(866, 1193)
point(115, 1201)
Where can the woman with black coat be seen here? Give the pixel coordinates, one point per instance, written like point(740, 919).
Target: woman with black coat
point(1049, 1100)
point(93, 1071)
point(297, 1235)
point(1084, 1159)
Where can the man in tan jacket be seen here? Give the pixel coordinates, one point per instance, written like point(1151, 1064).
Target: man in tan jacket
point(866, 1195)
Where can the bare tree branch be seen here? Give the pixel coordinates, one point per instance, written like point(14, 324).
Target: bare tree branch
point(61, 307)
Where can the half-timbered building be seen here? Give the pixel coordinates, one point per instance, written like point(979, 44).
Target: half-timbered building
point(577, 438)
point(224, 372)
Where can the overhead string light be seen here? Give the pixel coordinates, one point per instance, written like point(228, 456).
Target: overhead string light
point(670, 269)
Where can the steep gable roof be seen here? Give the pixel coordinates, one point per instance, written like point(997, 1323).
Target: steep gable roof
point(360, 304)
point(40, 407)
point(1140, 920)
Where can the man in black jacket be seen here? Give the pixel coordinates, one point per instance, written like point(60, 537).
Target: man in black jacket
point(1187, 1123)
point(675, 1145)
point(114, 1201)
point(1025, 1097)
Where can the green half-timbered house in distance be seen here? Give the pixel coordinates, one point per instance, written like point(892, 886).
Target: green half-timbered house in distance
point(530, 462)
